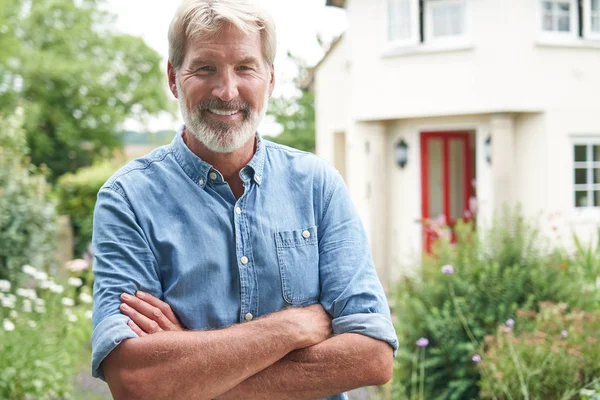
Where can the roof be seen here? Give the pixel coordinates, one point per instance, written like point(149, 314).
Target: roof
point(336, 3)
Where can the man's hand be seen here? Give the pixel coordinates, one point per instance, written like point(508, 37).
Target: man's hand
point(149, 314)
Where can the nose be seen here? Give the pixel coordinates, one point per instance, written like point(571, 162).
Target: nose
point(226, 88)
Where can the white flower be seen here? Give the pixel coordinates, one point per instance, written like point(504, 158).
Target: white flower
point(8, 325)
point(46, 284)
point(13, 314)
point(85, 298)
point(72, 318)
point(41, 276)
point(4, 285)
point(9, 301)
point(88, 314)
point(40, 309)
point(77, 265)
point(29, 270)
point(68, 302)
point(75, 282)
point(27, 293)
point(56, 288)
point(32, 324)
point(40, 302)
point(27, 305)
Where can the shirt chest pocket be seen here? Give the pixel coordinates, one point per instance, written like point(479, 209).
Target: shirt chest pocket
point(298, 257)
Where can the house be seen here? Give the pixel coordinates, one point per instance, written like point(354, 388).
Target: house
point(446, 109)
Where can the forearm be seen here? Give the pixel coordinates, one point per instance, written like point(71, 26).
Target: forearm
point(339, 364)
point(198, 365)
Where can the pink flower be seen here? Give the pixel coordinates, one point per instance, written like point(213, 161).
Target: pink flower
point(564, 334)
point(510, 322)
point(422, 342)
point(507, 329)
point(476, 358)
point(447, 269)
point(77, 265)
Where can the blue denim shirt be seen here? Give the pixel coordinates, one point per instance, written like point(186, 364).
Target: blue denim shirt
point(168, 224)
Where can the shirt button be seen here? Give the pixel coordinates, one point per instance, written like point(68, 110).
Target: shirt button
point(306, 234)
point(213, 176)
point(248, 317)
point(258, 178)
point(238, 210)
point(201, 181)
point(244, 260)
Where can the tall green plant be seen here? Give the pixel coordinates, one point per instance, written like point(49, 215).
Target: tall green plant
point(27, 215)
point(465, 289)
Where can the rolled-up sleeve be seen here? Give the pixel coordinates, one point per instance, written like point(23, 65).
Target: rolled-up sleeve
point(350, 288)
point(123, 262)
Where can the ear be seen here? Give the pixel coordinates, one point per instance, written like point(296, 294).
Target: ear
point(172, 79)
point(272, 82)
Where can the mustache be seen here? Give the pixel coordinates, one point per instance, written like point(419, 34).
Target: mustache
point(224, 105)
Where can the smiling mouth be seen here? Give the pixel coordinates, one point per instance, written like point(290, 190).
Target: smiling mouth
point(223, 112)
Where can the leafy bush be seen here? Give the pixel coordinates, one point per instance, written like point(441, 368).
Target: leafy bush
point(464, 291)
point(27, 215)
point(77, 198)
point(44, 330)
point(550, 354)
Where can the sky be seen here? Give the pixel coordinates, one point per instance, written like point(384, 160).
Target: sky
point(298, 22)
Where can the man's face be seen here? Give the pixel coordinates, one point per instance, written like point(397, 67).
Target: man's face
point(223, 88)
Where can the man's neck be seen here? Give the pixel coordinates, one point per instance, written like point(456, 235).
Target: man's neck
point(228, 164)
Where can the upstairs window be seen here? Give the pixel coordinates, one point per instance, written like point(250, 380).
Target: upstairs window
point(447, 19)
point(403, 21)
point(558, 16)
point(587, 174)
point(570, 19)
point(592, 22)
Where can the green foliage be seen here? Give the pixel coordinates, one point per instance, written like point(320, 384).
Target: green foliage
point(44, 329)
point(295, 114)
point(76, 79)
point(550, 354)
point(495, 273)
point(77, 198)
point(27, 216)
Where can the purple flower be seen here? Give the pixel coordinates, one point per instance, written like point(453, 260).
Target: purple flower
point(510, 322)
point(507, 329)
point(564, 334)
point(476, 358)
point(423, 342)
point(448, 269)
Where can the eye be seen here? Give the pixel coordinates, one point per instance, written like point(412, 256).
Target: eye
point(206, 69)
point(244, 68)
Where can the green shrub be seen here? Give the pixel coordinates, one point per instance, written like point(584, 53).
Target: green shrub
point(77, 198)
point(44, 334)
point(550, 354)
point(464, 291)
point(27, 215)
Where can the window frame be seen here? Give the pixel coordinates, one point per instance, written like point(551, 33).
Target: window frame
point(587, 21)
point(414, 38)
point(450, 40)
point(590, 187)
point(573, 33)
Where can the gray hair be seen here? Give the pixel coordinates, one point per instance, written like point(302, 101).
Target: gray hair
point(202, 19)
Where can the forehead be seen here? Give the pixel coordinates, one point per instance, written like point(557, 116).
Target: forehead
point(229, 44)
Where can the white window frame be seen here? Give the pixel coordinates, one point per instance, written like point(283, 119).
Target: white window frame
point(573, 34)
point(414, 38)
point(450, 40)
point(589, 165)
point(587, 21)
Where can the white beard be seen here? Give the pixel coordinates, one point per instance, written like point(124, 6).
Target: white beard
point(221, 136)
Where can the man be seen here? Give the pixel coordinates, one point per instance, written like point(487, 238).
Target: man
point(254, 247)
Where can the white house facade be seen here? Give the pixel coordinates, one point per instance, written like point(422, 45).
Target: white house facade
point(445, 109)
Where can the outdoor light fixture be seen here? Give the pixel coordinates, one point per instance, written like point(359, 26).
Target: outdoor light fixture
point(402, 153)
point(487, 149)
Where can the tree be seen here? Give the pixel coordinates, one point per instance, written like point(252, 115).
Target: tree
point(296, 114)
point(76, 80)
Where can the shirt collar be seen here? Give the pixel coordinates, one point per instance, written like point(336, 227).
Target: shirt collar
point(198, 169)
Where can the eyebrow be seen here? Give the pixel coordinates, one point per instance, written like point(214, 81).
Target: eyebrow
point(196, 62)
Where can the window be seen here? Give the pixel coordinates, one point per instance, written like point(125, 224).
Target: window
point(446, 19)
point(411, 22)
point(592, 20)
point(559, 17)
point(403, 21)
point(587, 174)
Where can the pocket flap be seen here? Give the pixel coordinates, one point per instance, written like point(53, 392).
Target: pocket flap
point(296, 238)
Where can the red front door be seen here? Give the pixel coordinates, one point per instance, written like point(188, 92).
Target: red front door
point(448, 170)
